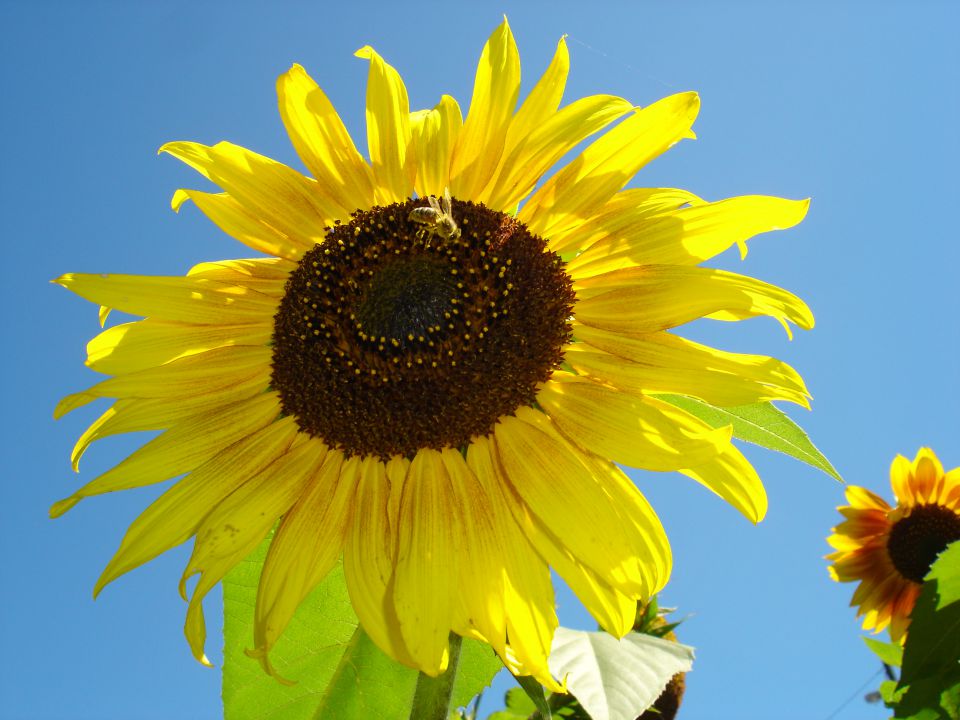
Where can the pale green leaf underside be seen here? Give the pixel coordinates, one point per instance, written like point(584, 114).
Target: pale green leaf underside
point(762, 424)
point(616, 679)
point(339, 673)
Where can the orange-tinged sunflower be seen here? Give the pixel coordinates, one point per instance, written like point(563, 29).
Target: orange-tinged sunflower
point(438, 365)
point(890, 550)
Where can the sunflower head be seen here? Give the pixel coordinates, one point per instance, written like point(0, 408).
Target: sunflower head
point(444, 350)
point(889, 550)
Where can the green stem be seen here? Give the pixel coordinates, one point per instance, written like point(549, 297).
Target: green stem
point(431, 701)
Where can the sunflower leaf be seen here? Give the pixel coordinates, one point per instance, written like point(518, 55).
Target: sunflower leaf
point(889, 653)
point(616, 679)
point(930, 680)
point(762, 424)
point(338, 671)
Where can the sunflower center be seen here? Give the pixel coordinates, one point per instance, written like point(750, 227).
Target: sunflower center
point(916, 540)
point(395, 334)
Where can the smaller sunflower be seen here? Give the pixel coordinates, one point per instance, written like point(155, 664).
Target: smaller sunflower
point(890, 550)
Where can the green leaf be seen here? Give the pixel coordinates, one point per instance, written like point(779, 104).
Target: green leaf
point(518, 705)
point(762, 424)
point(613, 678)
point(931, 656)
point(950, 702)
point(889, 653)
point(339, 673)
point(534, 691)
point(946, 571)
point(889, 692)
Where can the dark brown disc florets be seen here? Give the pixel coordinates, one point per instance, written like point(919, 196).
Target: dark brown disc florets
point(390, 339)
point(917, 539)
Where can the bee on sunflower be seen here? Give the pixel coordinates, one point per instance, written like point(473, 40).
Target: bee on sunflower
point(426, 390)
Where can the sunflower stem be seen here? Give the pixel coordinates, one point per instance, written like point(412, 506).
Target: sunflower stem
point(431, 700)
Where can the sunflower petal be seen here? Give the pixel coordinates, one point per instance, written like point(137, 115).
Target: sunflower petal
point(482, 544)
point(495, 92)
point(369, 555)
point(548, 475)
point(528, 592)
point(435, 138)
point(304, 549)
point(426, 558)
point(322, 141)
point(239, 223)
point(180, 299)
point(684, 237)
point(638, 431)
point(657, 297)
point(619, 215)
point(664, 363)
point(180, 449)
point(139, 345)
point(176, 515)
point(282, 197)
point(546, 144)
point(577, 191)
point(733, 478)
point(388, 130)
point(238, 524)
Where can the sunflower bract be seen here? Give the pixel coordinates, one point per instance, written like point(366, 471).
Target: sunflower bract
point(427, 394)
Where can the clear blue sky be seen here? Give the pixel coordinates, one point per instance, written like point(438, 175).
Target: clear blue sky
point(853, 106)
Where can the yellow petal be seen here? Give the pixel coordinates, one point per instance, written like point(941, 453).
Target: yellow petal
point(927, 474)
point(685, 237)
point(577, 191)
point(482, 544)
point(426, 566)
point(369, 554)
point(176, 515)
point(139, 414)
point(563, 492)
point(322, 141)
point(267, 276)
point(181, 449)
point(435, 138)
point(657, 297)
point(239, 223)
point(543, 100)
point(621, 214)
point(733, 478)
point(304, 549)
point(648, 538)
point(201, 373)
point(388, 130)
point(139, 345)
point(238, 524)
point(181, 299)
point(528, 591)
point(495, 91)
point(279, 195)
point(633, 430)
point(901, 479)
point(546, 144)
point(664, 363)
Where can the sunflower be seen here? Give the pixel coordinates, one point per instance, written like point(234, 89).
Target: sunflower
point(436, 368)
point(890, 550)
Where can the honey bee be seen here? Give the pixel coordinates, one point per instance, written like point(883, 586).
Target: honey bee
point(436, 219)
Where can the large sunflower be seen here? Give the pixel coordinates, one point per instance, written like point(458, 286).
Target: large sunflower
point(436, 390)
point(890, 550)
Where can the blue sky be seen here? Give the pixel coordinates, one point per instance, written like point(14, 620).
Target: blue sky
point(854, 106)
